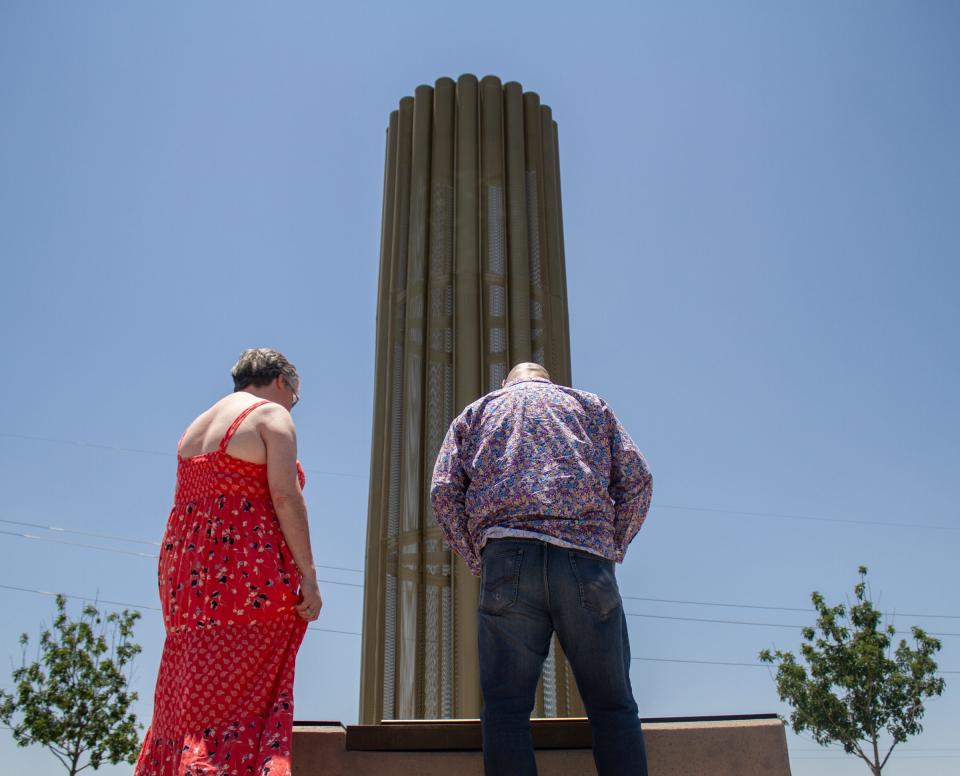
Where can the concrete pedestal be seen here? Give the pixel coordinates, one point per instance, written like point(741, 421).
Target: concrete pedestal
point(705, 747)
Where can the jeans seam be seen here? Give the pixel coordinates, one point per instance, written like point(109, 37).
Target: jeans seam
point(516, 579)
point(576, 576)
point(543, 574)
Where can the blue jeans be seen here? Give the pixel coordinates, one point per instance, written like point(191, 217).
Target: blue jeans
point(528, 590)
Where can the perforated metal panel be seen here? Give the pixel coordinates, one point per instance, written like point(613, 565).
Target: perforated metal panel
point(431, 661)
point(446, 648)
point(498, 302)
point(390, 651)
point(550, 681)
point(496, 255)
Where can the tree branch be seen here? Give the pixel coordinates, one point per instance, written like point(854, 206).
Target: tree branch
point(888, 754)
point(56, 754)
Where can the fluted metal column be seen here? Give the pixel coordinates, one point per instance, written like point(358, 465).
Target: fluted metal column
point(468, 381)
point(472, 279)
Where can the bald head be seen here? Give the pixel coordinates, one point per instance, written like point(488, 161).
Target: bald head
point(525, 370)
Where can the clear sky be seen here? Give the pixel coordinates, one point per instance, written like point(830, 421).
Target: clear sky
point(762, 220)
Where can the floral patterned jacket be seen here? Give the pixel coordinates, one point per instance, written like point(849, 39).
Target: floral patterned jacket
point(540, 460)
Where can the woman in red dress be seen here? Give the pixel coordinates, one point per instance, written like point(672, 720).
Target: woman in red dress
point(237, 585)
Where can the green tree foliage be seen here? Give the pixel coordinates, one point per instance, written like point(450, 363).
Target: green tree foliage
point(74, 699)
point(856, 685)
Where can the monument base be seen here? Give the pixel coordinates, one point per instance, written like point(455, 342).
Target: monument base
point(745, 745)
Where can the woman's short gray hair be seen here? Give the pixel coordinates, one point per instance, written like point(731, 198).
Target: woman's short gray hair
point(261, 366)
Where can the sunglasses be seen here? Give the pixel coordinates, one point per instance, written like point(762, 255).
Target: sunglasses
point(296, 396)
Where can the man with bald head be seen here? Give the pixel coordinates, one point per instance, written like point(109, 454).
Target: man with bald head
point(539, 488)
point(526, 369)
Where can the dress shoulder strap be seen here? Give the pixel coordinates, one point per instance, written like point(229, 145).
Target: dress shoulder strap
point(236, 424)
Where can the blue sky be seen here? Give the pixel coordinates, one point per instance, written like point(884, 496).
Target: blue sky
point(762, 222)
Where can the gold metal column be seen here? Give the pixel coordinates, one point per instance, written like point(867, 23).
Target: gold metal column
point(472, 279)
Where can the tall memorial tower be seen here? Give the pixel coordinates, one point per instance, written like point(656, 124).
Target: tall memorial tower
point(472, 280)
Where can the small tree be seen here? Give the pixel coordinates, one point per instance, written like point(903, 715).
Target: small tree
point(74, 699)
point(857, 685)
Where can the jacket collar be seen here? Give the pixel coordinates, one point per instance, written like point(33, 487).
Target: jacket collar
point(520, 380)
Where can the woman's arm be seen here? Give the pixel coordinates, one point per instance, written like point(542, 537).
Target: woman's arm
point(280, 437)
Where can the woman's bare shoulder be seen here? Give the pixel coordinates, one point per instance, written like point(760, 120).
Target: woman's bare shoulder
point(273, 417)
point(212, 422)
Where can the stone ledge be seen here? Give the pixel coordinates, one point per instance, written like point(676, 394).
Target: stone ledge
point(752, 745)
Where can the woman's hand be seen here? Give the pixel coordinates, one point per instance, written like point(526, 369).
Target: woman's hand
point(309, 608)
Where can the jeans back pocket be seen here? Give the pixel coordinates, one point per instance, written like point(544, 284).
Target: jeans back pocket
point(596, 582)
point(500, 579)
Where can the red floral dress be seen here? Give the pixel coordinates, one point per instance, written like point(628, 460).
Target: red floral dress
point(223, 705)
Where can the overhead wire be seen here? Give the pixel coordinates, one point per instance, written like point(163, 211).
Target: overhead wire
point(93, 534)
point(782, 516)
point(676, 507)
point(742, 622)
point(358, 585)
point(804, 609)
point(700, 662)
point(911, 750)
point(153, 556)
point(141, 451)
point(899, 757)
point(77, 544)
point(357, 633)
point(657, 505)
point(98, 600)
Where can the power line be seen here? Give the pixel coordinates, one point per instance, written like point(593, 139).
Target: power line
point(357, 633)
point(700, 662)
point(337, 568)
point(152, 556)
point(359, 585)
point(115, 537)
point(705, 619)
point(678, 507)
point(331, 630)
point(903, 756)
point(912, 750)
point(57, 529)
point(776, 608)
point(781, 516)
point(142, 606)
point(739, 622)
point(723, 663)
point(79, 597)
point(78, 544)
point(141, 451)
point(80, 443)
